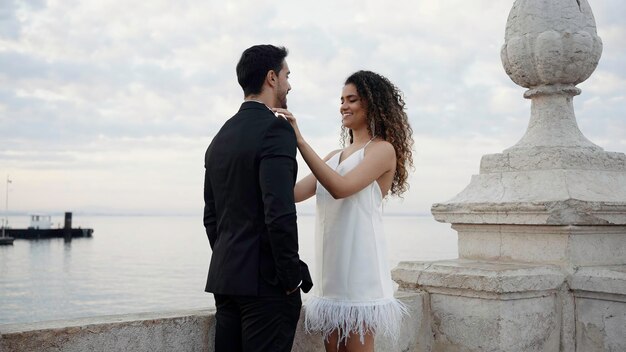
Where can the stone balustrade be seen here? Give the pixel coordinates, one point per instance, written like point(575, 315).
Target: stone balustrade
point(180, 331)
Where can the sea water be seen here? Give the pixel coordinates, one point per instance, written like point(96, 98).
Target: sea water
point(138, 264)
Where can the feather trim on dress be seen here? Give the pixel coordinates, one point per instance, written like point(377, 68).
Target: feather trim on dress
point(382, 316)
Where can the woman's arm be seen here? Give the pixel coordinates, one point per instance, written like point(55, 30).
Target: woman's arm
point(379, 159)
point(306, 187)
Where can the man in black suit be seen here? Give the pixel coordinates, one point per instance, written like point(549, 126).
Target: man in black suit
point(250, 216)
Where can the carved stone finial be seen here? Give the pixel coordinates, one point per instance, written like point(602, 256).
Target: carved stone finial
point(553, 175)
point(550, 47)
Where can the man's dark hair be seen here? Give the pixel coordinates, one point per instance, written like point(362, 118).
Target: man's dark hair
point(255, 63)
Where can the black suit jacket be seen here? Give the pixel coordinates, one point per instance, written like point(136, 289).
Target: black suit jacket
point(249, 213)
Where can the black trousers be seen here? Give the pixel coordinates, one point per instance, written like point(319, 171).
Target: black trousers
point(256, 324)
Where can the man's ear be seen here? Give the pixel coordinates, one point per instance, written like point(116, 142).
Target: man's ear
point(271, 78)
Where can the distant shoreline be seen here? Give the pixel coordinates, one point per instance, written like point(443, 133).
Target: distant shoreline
point(152, 214)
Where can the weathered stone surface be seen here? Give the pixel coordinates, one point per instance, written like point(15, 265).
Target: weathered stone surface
point(550, 42)
point(552, 122)
point(600, 294)
point(550, 158)
point(479, 278)
point(554, 199)
point(601, 279)
point(479, 325)
point(600, 325)
point(553, 175)
point(479, 306)
point(567, 246)
point(182, 331)
point(178, 331)
point(495, 306)
point(542, 197)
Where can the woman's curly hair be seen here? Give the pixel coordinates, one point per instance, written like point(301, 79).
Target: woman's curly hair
point(387, 120)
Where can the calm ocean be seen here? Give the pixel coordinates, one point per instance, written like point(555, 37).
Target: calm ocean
point(153, 263)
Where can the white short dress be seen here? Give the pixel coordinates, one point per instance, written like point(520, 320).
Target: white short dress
point(353, 290)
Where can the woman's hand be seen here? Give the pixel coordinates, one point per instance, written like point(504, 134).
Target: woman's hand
point(287, 115)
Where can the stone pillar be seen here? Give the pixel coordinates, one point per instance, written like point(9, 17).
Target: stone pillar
point(542, 227)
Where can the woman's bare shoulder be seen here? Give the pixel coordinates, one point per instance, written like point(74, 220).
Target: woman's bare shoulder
point(381, 147)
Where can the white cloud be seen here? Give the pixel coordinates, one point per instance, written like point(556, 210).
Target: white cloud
point(117, 100)
point(605, 83)
point(507, 101)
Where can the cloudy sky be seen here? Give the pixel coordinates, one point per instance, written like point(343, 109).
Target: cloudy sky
point(108, 105)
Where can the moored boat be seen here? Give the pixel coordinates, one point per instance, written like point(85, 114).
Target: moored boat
point(41, 228)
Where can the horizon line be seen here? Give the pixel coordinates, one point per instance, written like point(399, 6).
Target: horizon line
point(161, 213)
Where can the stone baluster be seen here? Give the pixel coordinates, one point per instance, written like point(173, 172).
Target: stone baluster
point(542, 227)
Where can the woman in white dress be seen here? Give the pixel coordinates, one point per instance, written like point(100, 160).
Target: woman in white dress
point(353, 293)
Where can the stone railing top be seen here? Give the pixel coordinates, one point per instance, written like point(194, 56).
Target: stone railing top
point(480, 276)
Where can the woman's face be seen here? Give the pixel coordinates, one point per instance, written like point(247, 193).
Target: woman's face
point(353, 109)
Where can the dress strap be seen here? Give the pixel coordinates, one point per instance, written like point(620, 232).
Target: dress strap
point(370, 141)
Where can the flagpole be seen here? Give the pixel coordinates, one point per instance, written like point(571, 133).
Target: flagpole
point(6, 206)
